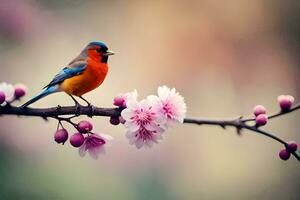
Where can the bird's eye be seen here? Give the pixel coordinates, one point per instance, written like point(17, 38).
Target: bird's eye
point(99, 50)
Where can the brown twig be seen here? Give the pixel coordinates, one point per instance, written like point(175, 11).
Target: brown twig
point(72, 111)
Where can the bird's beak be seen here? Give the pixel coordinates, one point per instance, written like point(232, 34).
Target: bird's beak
point(109, 53)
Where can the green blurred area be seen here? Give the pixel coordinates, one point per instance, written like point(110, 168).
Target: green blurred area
point(223, 57)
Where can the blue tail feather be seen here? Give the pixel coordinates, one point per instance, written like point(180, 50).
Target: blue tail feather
point(41, 95)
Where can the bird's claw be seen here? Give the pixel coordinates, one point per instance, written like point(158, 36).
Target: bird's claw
point(58, 109)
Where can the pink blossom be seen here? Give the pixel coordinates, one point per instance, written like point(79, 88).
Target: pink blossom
point(94, 144)
point(9, 92)
point(142, 115)
point(143, 137)
point(122, 99)
point(172, 105)
point(148, 119)
point(144, 125)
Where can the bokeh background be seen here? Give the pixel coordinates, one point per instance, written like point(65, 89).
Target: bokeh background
point(224, 57)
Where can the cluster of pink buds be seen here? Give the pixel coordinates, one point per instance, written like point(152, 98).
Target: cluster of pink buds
point(84, 139)
point(285, 103)
point(9, 93)
point(261, 118)
point(121, 102)
point(259, 111)
point(291, 147)
point(148, 119)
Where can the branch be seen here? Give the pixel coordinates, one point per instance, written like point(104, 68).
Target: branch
point(73, 111)
point(239, 124)
point(58, 111)
point(277, 114)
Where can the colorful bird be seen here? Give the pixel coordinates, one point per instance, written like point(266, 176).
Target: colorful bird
point(83, 74)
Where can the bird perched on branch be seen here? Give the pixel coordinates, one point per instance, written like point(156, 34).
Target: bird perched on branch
point(83, 74)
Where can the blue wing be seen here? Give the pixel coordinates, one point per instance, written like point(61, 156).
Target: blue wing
point(73, 70)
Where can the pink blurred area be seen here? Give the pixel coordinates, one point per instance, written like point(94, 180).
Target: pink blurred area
point(224, 57)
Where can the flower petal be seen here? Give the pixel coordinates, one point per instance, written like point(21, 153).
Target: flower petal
point(130, 134)
point(139, 143)
point(94, 152)
point(127, 114)
point(131, 126)
point(82, 150)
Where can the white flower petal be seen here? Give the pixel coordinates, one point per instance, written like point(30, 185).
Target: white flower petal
point(145, 104)
point(132, 104)
point(139, 143)
point(163, 92)
point(127, 114)
point(130, 134)
point(94, 152)
point(131, 96)
point(9, 91)
point(151, 126)
point(160, 118)
point(82, 150)
point(132, 140)
point(158, 137)
point(149, 143)
point(131, 126)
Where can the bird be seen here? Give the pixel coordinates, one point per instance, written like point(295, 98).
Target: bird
point(83, 74)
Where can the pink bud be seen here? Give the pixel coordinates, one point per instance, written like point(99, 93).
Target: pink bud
point(261, 120)
point(292, 146)
point(259, 109)
point(284, 154)
point(2, 97)
point(84, 126)
point(77, 140)
point(119, 101)
point(122, 120)
point(61, 136)
point(286, 102)
point(20, 90)
point(114, 121)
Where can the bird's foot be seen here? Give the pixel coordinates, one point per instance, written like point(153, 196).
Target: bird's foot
point(58, 108)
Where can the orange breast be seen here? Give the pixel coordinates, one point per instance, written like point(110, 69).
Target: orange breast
point(90, 79)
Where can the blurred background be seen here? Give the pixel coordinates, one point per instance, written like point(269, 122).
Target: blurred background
point(224, 57)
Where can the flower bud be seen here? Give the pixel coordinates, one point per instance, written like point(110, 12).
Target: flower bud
point(114, 120)
point(122, 120)
point(261, 120)
point(77, 140)
point(285, 102)
point(2, 97)
point(119, 101)
point(284, 154)
point(85, 126)
point(19, 92)
point(292, 146)
point(61, 136)
point(259, 109)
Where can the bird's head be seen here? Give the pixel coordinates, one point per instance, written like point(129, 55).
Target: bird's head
point(98, 51)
